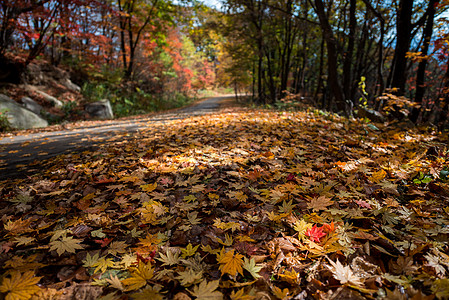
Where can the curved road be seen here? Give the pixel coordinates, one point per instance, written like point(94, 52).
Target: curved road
point(20, 154)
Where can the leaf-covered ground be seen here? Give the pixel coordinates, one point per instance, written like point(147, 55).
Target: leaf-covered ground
point(244, 204)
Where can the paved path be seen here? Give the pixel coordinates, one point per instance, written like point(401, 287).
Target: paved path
point(20, 155)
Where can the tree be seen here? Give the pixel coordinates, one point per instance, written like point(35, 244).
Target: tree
point(332, 63)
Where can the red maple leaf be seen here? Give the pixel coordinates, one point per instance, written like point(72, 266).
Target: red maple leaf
point(315, 233)
point(104, 242)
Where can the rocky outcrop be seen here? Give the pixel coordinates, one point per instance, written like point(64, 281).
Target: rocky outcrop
point(71, 86)
point(100, 109)
point(19, 117)
point(46, 97)
point(32, 105)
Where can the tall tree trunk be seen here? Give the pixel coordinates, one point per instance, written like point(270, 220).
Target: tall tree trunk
point(347, 64)
point(420, 76)
point(404, 34)
point(443, 115)
point(320, 74)
point(332, 63)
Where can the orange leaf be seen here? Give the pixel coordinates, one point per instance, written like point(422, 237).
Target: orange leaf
point(231, 264)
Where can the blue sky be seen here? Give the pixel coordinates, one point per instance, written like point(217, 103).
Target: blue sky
point(213, 3)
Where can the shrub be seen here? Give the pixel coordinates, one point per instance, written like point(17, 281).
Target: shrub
point(5, 125)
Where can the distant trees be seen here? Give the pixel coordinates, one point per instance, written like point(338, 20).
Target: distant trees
point(388, 43)
point(142, 41)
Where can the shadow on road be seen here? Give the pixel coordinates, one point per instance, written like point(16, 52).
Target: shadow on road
point(23, 155)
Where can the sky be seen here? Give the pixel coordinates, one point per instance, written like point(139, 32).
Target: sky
point(213, 3)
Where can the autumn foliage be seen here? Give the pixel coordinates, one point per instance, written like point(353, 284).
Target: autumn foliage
point(243, 204)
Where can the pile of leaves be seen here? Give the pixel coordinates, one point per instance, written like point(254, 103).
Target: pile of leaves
point(244, 204)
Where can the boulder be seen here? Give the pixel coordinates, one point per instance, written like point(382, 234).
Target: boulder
point(55, 102)
point(71, 86)
point(32, 105)
point(18, 116)
point(100, 109)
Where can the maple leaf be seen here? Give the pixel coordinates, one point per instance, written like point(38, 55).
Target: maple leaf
point(139, 276)
point(378, 176)
point(241, 295)
point(165, 180)
point(251, 267)
point(320, 203)
point(103, 264)
point(148, 187)
point(20, 286)
point(287, 207)
point(149, 292)
point(128, 260)
point(280, 294)
point(226, 225)
point(227, 242)
point(24, 240)
point(344, 274)
point(193, 218)
point(115, 282)
point(434, 262)
point(189, 198)
point(18, 226)
point(66, 244)
point(328, 228)
point(291, 277)
point(90, 261)
point(171, 258)
point(238, 195)
point(117, 247)
point(231, 264)
point(301, 227)
point(198, 188)
point(190, 277)
point(189, 250)
point(207, 290)
point(315, 233)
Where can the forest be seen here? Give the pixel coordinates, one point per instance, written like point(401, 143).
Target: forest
point(321, 171)
point(342, 56)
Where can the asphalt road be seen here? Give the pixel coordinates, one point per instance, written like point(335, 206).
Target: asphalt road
point(20, 155)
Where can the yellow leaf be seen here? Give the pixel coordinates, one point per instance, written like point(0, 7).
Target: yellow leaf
point(251, 267)
point(20, 286)
point(227, 242)
point(280, 294)
point(241, 295)
point(66, 244)
point(115, 282)
point(378, 176)
point(139, 276)
point(207, 290)
point(238, 195)
point(320, 203)
point(149, 292)
point(231, 264)
point(103, 264)
point(148, 187)
point(171, 258)
point(291, 277)
point(189, 277)
point(301, 227)
point(189, 250)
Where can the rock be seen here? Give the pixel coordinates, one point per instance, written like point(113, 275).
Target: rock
point(371, 114)
point(100, 109)
point(71, 86)
point(55, 102)
point(32, 105)
point(20, 117)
